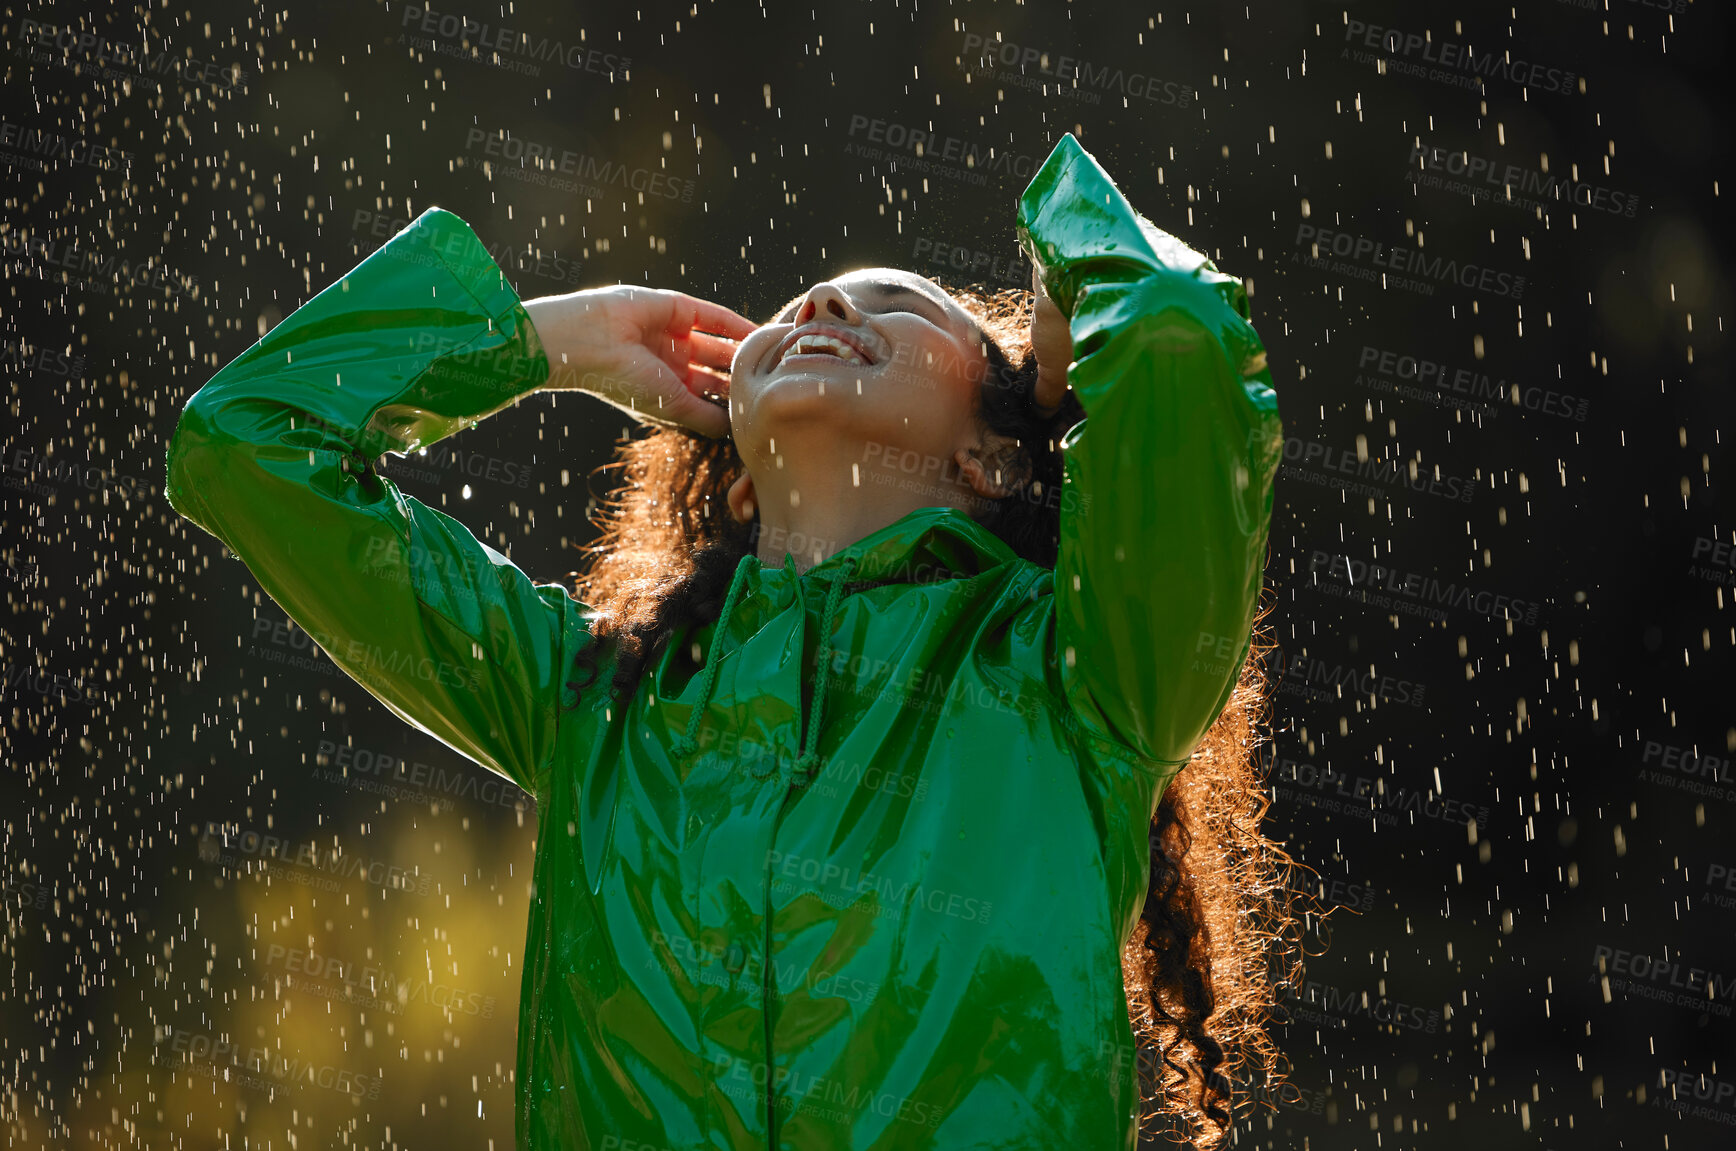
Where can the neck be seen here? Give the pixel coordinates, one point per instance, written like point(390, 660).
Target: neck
point(837, 507)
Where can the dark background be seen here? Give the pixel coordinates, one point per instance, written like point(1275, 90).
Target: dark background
point(1558, 976)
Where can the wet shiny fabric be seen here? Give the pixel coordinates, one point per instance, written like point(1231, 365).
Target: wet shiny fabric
point(863, 876)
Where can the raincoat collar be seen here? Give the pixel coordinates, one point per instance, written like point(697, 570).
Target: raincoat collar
point(923, 546)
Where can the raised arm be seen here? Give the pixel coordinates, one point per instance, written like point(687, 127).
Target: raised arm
point(1164, 528)
point(275, 457)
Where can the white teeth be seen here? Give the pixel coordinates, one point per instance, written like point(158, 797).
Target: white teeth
point(815, 343)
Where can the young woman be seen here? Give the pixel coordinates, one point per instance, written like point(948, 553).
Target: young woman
point(900, 762)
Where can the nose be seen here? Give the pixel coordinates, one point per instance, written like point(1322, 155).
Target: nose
point(826, 300)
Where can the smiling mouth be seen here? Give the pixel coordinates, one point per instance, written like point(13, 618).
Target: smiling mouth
point(817, 344)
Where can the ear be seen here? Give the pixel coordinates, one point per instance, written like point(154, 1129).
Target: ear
point(984, 467)
point(742, 502)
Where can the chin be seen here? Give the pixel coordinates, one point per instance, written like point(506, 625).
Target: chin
point(802, 397)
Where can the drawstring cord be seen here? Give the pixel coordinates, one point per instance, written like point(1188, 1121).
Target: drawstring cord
point(810, 758)
point(688, 742)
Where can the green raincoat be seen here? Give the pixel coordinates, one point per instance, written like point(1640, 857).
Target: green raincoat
point(863, 878)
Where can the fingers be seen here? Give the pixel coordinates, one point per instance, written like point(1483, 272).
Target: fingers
point(1039, 289)
point(685, 402)
point(711, 351)
point(1050, 390)
point(651, 389)
point(704, 417)
point(702, 334)
point(1043, 301)
point(703, 382)
point(709, 317)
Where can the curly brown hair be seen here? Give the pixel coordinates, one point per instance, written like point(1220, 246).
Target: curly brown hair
point(1220, 935)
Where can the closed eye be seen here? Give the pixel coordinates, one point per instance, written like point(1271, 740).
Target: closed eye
point(930, 313)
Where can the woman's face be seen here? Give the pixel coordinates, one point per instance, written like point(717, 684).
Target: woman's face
point(878, 358)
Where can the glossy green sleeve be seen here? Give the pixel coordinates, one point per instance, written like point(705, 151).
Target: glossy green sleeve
point(1168, 495)
point(275, 457)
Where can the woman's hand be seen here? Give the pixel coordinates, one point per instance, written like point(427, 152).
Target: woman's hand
point(651, 352)
point(1052, 341)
